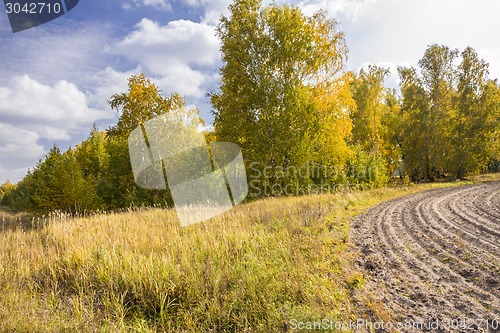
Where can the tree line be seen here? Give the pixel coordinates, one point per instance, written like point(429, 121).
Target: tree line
point(96, 174)
point(286, 99)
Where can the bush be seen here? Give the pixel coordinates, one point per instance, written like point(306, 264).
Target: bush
point(367, 169)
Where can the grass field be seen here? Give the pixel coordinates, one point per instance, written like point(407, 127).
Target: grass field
point(253, 269)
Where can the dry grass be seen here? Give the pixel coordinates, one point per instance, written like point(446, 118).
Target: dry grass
point(252, 269)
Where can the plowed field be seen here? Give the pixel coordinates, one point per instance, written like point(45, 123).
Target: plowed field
point(435, 257)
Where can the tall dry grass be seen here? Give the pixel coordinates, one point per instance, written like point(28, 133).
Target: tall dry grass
point(252, 269)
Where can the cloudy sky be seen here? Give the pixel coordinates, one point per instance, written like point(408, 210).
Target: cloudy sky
point(55, 79)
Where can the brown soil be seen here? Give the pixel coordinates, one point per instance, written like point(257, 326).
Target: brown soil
point(434, 257)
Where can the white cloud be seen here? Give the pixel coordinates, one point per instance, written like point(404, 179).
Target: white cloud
point(108, 82)
point(393, 80)
point(53, 112)
point(491, 56)
point(178, 54)
point(353, 10)
point(193, 42)
point(70, 53)
point(21, 144)
point(157, 4)
point(12, 175)
point(163, 4)
point(31, 113)
point(181, 78)
point(400, 31)
point(212, 9)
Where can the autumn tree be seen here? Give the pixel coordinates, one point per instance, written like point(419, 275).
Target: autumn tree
point(427, 106)
point(474, 119)
point(56, 183)
point(6, 190)
point(414, 117)
point(369, 94)
point(490, 100)
point(391, 131)
point(142, 102)
point(283, 97)
point(450, 114)
point(437, 76)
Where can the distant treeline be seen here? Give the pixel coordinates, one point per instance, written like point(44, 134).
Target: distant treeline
point(287, 101)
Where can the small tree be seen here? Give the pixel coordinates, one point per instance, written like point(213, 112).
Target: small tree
point(368, 92)
point(472, 120)
point(142, 102)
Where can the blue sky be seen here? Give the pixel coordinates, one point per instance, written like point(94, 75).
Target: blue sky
point(55, 79)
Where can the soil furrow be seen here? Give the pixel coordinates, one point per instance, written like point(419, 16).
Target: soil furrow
point(435, 256)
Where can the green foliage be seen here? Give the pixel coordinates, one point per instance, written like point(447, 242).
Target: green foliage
point(427, 111)
point(476, 115)
point(283, 96)
point(391, 131)
point(491, 101)
point(367, 170)
point(368, 92)
point(450, 115)
point(56, 183)
point(414, 130)
point(376, 119)
point(6, 190)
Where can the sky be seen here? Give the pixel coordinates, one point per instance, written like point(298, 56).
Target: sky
point(56, 79)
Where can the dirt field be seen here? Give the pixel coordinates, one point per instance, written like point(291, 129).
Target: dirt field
point(433, 258)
